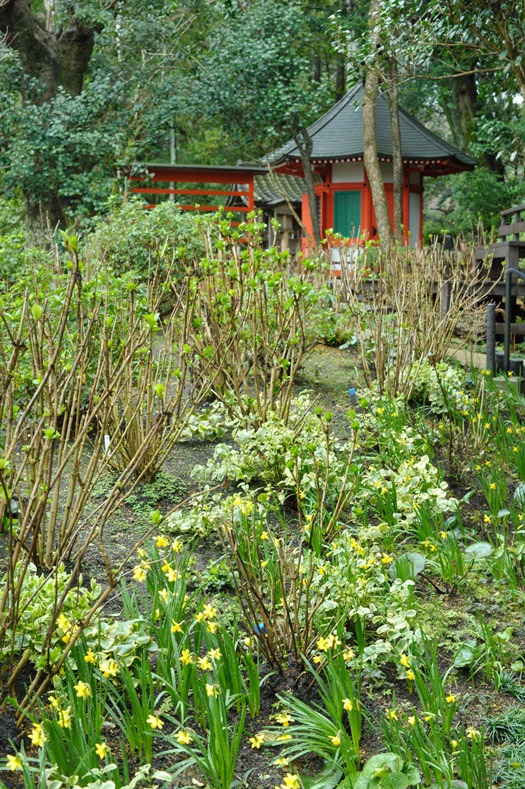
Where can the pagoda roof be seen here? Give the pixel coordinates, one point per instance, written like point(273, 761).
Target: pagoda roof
point(272, 189)
point(338, 136)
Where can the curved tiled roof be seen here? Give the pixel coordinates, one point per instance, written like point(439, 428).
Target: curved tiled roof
point(338, 134)
point(270, 190)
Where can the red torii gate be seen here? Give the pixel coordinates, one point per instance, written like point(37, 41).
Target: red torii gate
point(196, 174)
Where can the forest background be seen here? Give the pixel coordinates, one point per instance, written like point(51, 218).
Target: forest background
point(89, 86)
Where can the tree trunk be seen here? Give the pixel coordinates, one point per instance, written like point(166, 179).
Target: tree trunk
point(466, 101)
point(316, 71)
point(43, 218)
point(397, 155)
point(370, 157)
point(304, 144)
point(340, 78)
point(54, 59)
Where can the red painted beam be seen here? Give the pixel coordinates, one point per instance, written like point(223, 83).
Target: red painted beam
point(154, 190)
point(194, 176)
point(232, 209)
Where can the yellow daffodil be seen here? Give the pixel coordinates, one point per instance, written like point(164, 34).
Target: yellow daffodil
point(257, 741)
point(155, 722)
point(82, 689)
point(102, 750)
point(14, 762)
point(64, 718)
point(210, 612)
point(109, 668)
point(140, 572)
point(172, 575)
point(183, 737)
point(63, 622)
point(38, 735)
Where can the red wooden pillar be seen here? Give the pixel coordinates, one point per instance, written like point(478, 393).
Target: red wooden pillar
point(251, 202)
point(406, 203)
point(367, 209)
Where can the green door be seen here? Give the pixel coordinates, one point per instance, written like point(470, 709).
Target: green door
point(347, 213)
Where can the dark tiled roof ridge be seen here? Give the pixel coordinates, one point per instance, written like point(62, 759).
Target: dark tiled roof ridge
point(347, 148)
point(320, 123)
point(464, 157)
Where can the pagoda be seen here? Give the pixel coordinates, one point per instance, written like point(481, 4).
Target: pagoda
point(344, 199)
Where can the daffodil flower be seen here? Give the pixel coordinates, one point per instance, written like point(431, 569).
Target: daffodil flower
point(82, 690)
point(102, 750)
point(38, 735)
point(14, 762)
point(257, 740)
point(155, 722)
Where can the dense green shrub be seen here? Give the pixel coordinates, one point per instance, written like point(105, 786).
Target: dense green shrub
point(11, 215)
point(466, 199)
point(32, 277)
point(17, 260)
point(132, 238)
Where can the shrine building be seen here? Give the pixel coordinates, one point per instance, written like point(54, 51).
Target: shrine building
point(344, 200)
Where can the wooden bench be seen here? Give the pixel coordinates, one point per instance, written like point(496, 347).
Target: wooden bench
point(508, 250)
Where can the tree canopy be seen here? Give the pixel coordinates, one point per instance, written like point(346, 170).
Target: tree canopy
point(88, 86)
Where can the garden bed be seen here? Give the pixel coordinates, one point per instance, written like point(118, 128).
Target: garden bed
point(446, 608)
point(297, 586)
